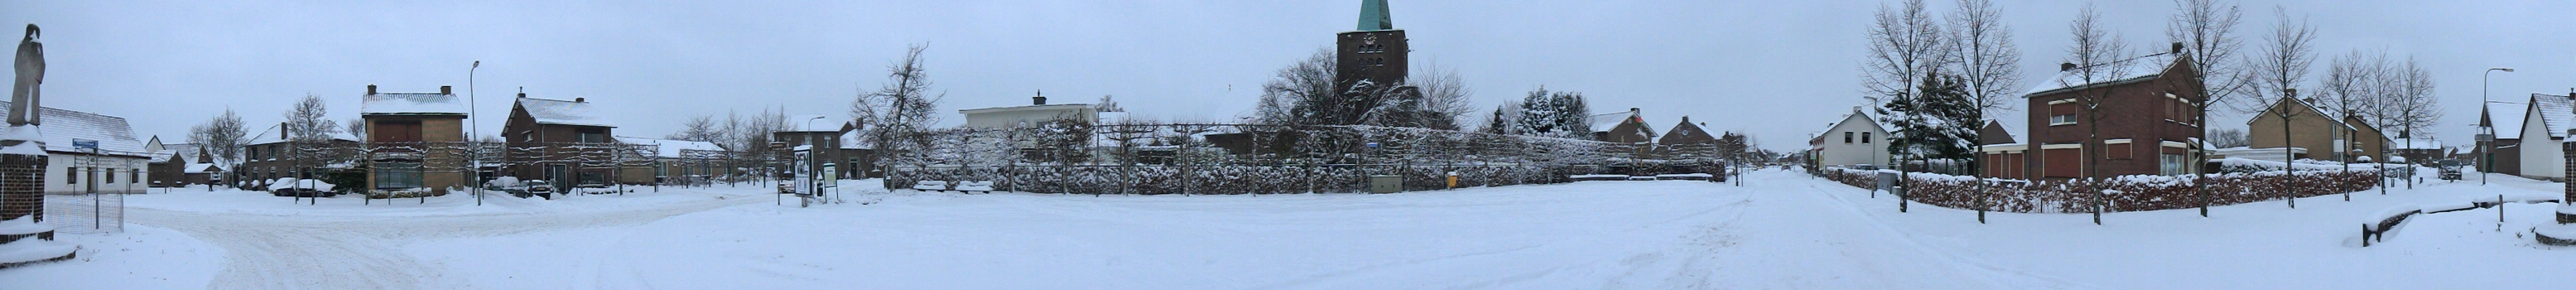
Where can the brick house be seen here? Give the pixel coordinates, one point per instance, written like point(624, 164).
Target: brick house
point(272, 154)
point(2316, 131)
point(2505, 156)
point(1629, 127)
point(1999, 152)
point(828, 135)
point(402, 131)
point(2144, 127)
point(547, 140)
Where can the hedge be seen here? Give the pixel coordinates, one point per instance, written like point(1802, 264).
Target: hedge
point(2119, 194)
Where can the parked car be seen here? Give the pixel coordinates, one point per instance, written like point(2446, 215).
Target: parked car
point(300, 188)
point(2450, 169)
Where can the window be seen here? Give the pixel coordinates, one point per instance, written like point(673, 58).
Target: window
point(136, 175)
point(397, 175)
point(2118, 151)
point(111, 175)
point(71, 175)
point(394, 131)
point(593, 135)
point(2061, 120)
point(1847, 137)
point(2171, 164)
point(1864, 137)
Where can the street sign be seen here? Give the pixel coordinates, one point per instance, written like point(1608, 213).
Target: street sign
point(84, 144)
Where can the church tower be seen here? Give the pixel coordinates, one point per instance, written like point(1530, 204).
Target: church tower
point(1374, 52)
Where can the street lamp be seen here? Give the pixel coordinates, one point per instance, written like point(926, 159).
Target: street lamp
point(470, 108)
point(2487, 140)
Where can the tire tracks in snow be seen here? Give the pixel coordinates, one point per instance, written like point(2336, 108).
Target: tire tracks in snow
point(362, 252)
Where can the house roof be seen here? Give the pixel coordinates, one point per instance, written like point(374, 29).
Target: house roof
point(2556, 113)
point(2112, 73)
point(1685, 132)
point(816, 123)
point(2503, 114)
point(113, 135)
point(412, 104)
point(667, 148)
point(852, 140)
point(202, 168)
point(561, 112)
point(1995, 133)
point(272, 134)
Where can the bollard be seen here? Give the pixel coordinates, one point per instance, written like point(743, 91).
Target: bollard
point(2365, 235)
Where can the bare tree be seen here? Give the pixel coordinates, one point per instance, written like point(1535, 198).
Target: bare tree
point(310, 121)
point(1987, 64)
point(1107, 105)
point(221, 136)
point(2208, 35)
point(1444, 93)
point(1307, 79)
point(2410, 105)
point(2095, 55)
point(908, 108)
point(358, 128)
point(2283, 64)
point(1904, 45)
point(702, 128)
point(2228, 138)
point(2353, 86)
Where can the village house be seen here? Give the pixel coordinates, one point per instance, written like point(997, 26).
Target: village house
point(1686, 136)
point(180, 164)
point(827, 135)
point(273, 154)
point(1999, 152)
point(1853, 141)
point(2543, 131)
point(2315, 130)
point(1623, 127)
point(2503, 154)
point(566, 142)
point(2144, 126)
point(406, 134)
point(87, 152)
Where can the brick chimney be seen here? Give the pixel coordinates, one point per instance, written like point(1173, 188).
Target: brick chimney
point(2177, 48)
point(447, 90)
point(371, 89)
point(2065, 66)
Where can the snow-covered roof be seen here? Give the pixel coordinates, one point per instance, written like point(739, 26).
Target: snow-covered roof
point(113, 135)
point(412, 104)
point(815, 123)
point(202, 168)
point(1603, 122)
point(561, 112)
point(851, 140)
point(272, 135)
point(2556, 113)
point(2506, 117)
point(162, 156)
point(2113, 73)
point(671, 148)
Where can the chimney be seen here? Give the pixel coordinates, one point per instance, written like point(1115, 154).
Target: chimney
point(371, 89)
point(2177, 48)
point(2291, 92)
point(580, 100)
point(2065, 66)
point(447, 90)
point(1038, 100)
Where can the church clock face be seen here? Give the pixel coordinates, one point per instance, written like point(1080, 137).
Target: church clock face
point(1368, 40)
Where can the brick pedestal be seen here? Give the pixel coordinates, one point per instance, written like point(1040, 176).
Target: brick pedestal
point(22, 186)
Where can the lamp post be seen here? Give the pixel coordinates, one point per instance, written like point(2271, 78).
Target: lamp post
point(2486, 157)
point(470, 108)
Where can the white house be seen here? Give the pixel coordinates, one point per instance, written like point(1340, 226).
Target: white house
point(1039, 112)
point(2544, 129)
point(1855, 140)
point(87, 152)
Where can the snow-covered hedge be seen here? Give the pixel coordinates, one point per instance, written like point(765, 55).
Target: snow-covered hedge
point(1222, 179)
point(2119, 194)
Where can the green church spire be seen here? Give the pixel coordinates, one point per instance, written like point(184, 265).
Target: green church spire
point(1373, 16)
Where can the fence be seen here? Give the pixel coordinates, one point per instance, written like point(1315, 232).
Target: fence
point(85, 213)
point(1145, 158)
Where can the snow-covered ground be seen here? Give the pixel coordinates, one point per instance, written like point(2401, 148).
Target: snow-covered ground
point(1780, 230)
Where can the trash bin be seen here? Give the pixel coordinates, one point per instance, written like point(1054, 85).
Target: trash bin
point(1385, 184)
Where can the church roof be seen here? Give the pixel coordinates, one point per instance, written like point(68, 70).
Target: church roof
point(1373, 16)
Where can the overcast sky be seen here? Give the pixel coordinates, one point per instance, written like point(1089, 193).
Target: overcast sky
point(1775, 69)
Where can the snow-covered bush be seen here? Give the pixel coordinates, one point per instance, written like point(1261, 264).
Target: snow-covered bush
point(2119, 194)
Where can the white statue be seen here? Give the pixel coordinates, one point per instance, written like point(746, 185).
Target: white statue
point(31, 72)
